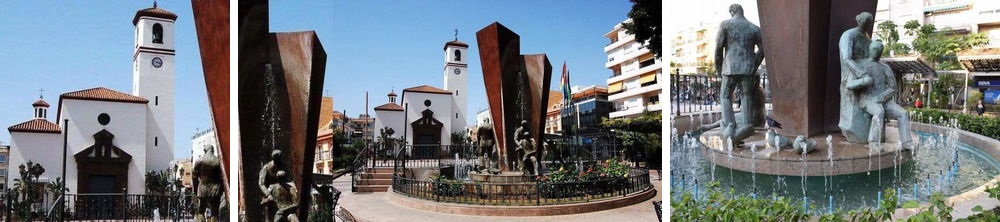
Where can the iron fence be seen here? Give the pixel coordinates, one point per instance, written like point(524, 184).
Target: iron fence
point(113, 206)
point(700, 93)
point(523, 194)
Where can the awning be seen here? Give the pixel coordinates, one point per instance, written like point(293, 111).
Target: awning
point(647, 78)
point(615, 87)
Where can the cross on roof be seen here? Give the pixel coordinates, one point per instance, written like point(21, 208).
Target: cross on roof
point(456, 34)
point(40, 92)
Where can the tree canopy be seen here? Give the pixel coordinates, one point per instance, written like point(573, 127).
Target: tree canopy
point(646, 24)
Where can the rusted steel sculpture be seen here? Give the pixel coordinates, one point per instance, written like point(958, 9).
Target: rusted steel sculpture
point(516, 86)
point(281, 78)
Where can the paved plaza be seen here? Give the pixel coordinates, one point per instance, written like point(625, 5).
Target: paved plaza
point(378, 207)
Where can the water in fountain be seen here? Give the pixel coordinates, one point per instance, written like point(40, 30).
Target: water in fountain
point(804, 175)
point(729, 152)
point(753, 168)
point(829, 155)
point(853, 190)
point(156, 215)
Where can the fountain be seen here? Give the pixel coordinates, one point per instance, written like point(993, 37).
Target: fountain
point(863, 142)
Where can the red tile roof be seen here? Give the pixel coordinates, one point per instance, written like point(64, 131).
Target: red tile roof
point(455, 43)
point(41, 103)
point(427, 89)
point(154, 12)
point(390, 107)
point(35, 126)
point(103, 94)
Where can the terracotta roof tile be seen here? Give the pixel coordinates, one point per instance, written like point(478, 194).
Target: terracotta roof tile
point(426, 89)
point(455, 43)
point(35, 126)
point(390, 106)
point(103, 94)
point(40, 102)
point(154, 12)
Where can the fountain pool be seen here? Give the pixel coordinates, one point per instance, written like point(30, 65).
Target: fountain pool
point(940, 164)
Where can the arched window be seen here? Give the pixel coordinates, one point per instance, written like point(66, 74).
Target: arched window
point(458, 55)
point(157, 33)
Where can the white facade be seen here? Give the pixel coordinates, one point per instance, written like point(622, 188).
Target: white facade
point(153, 79)
point(636, 82)
point(130, 136)
point(440, 104)
point(201, 140)
point(483, 118)
point(448, 105)
point(46, 149)
point(141, 124)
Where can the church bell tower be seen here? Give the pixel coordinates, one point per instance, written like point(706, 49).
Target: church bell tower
point(456, 79)
point(153, 79)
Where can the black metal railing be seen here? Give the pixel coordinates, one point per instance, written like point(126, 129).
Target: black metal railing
point(527, 193)
point(433, 156)
point(360, 165)
point(700, 93)
point(114, 206)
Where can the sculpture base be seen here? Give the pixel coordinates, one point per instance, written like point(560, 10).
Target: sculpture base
point(847, 157)
point(503, 177)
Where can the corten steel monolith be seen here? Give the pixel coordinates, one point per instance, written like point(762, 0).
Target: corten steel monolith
point(302, 60)
point(516, 85)
point(539, 72)
point(500, 55)
point(253, 57)
point(281, 76)
point(211, 20)
point(800, 45)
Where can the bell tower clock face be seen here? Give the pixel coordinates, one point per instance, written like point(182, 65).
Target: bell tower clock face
point(157, 62)
point(458, 71)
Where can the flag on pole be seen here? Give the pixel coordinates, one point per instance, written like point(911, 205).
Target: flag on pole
point(564, 84)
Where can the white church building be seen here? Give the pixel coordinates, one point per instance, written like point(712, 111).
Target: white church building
point(428, 115)
point(112, 138)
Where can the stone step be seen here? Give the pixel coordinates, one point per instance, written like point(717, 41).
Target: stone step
point(376, 176)
point(374, 182)
point(379, 170)
point(371, 188)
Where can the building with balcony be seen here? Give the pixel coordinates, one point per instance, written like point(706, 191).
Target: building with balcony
point(694, 49)
point(958, 16)
point(553, 119)
point(203, 139)
point(323, 162)
point(636, 75)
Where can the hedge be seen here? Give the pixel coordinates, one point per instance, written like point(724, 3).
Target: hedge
point(982, 125)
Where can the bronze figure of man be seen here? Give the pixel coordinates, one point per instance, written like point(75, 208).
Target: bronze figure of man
point(738, 53)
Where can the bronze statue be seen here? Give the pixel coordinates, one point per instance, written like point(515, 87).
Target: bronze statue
point(877, 87)
point(737, 62)
point(526, 147)
point(208, 184)
point(854, 121)
point(281, 200)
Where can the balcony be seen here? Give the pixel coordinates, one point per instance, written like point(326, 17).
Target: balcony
point(937, 6)
point(621, 41)
point(634, 91)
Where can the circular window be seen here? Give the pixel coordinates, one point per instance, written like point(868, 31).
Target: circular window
point(103, 119)
point(427, 102)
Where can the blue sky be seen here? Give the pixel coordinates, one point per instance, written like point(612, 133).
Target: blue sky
point(66, 46)
point(380, 46)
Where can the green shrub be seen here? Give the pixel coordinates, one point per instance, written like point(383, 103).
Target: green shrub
point(982, 125)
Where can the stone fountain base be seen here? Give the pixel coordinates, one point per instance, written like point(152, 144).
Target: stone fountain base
point(503, 177)
point(848, 158)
